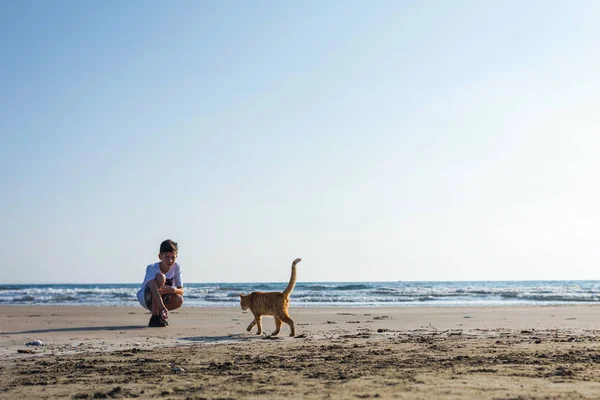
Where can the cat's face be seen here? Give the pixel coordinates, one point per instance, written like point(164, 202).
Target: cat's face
point(244, 302)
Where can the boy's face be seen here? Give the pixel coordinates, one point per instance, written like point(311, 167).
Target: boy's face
point(168, 258)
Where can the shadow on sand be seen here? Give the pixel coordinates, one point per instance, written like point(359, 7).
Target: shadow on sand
point(227, 338)
point(80, 329)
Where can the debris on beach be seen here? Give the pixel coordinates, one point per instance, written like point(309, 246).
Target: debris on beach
point(381, 317)
point(176, 369)
point(271, 337)
point(35, 343)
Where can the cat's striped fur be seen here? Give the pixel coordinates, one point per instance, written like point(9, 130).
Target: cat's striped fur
point(271, 303)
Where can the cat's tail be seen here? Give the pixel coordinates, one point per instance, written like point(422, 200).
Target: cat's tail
point(292, 283)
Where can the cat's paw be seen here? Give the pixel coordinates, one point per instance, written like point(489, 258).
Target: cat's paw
point(249, 328)
point(296, 261)
point(292, 334)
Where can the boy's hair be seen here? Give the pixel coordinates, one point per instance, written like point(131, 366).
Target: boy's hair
point(168, 246)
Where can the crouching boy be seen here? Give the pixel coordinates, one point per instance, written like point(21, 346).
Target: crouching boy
point(162, 289)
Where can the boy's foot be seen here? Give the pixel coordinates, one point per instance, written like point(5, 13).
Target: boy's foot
point(156, 322)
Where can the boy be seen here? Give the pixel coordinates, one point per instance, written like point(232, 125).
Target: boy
point(162, 289)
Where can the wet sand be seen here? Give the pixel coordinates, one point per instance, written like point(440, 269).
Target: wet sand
point(341, 353)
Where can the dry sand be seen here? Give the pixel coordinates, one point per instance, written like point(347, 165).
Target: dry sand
point(351, 353)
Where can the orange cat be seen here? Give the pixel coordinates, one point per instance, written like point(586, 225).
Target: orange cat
point(271, 303)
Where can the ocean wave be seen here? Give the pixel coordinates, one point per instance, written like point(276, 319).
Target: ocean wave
point(219, 300)
point(352, 287)
point(5, 288)
point(471, 292)
point(389, 291)
point(61, 298)
point(227, 288)
point(316, 287)
point(121, 295)
point(321, 300)
point(348, 300)
point(24, 298)
point(265, 287)
point(565, 298)
point(558, 298)
point(324, 294)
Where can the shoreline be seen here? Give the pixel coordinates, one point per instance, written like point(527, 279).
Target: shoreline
point(309, 306)
point(339, 352)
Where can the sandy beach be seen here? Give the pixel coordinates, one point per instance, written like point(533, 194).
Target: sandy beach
point(205, 353)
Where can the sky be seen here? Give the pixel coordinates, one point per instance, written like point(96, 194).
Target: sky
point(379, 141)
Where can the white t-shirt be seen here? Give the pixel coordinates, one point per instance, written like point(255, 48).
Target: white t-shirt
point(151, 270)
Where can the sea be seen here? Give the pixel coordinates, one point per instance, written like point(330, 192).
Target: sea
point(323, 294)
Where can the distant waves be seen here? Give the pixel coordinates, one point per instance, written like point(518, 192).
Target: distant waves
point(322, 294)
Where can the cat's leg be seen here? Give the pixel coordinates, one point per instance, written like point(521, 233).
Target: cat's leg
point(249, 328)
point(286, 318)
point(259, 324)
point(278, 323)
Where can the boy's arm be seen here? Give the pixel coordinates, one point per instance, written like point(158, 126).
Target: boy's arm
point(172, 290)
point(178, 282)
point(156, 295)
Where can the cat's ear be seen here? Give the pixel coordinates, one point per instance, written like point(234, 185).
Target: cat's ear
point(241, 296)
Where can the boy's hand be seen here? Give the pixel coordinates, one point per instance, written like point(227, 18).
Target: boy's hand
point(167, 290)
point(164, 313)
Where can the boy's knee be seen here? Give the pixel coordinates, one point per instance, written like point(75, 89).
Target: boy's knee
point(160, 279)
point(177, 301)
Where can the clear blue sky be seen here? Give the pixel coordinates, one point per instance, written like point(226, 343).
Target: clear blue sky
point(387, 140)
